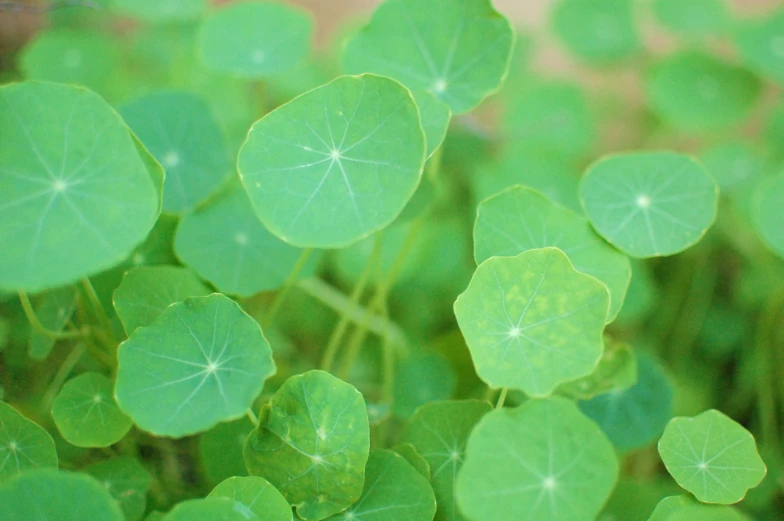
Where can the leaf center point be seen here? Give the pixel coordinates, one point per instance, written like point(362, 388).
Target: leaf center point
point(643, 201)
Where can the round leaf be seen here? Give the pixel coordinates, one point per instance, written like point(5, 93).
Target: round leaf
point(256, 497)
point(220, 449)
point(761, 45)
point(163, 10)
point(695, 18)
point(520, 219)
point(146, 291)
point(75, 197)
point(598, 31)
point(24, 445)
point(226, 244)
point(209, 509)
point(532, 322)
point(707, 513)
point(412, 456)
point(335, 164)
point(86, 414)
point(767, 212)
point(393, 491)
point(47, 494)
point(543, 460)
point(732, 163)
point(255, 39)
point(179, 129)
point(127, 481)
point(201, 362)
point(313, 429)
point(617, 370)
point(711, 456)
point(649, 204)
point(459, 50)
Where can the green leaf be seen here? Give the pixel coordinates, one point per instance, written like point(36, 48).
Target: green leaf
point(520, 219)
point(684, 508)
point(335, 164)
point(49, 494)
point(313, 429)
point(220, 449)
point(209, 509)
point(532, 322)
point(393, 491)
point(543, 460)
point(670, 505)
point(698, 92)
point(180, 130)
point(634, 417)
point(617, 370)
point(597, 32)
point(201, 362)
point(87, 415)
point(439, 432)
point(75, 197)
point(693, 19)
point(127, 481)
point(227, 245)
point(732, 163)
point(163, 10)
point(649, 204)
point(711, 456)
point(766, 213)
point(255, 39)
point(760, 44)
point(408, 451)
point(256, 496)
point(54, 310)
point(459, 50)
point(146, 291)
point(24, 445)
point(420, 379)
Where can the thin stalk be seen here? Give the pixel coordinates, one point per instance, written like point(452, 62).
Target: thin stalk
point(61, 375)
point(36, 323)
point(284, 291)
point(765, 358)
point(95, 303)
point(501, 398)
point(252, 417)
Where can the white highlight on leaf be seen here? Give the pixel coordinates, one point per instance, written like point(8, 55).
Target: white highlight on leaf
point(643, 201)
point(171, 159)
point(241, 239)
point(97, 398)
point(322, 434)
point(515, 332)
point(59, 185)
point(138, 259)
point(549, 483)
point(317, 460)
point(257, 56)
point(212, 367)
point(439, 86)
point(454, 456)
point(13, 446)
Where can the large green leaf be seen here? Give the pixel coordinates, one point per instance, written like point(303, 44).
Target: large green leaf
point(127, 481)
point(312, 444)
point(532, 322)
point(209, 509)
point(649, 204)
point(459, 50)
point(24, 445)
point(256, 496)
point(543, 460)
point(200, 362)
point(767, 212)
point(711, 456)
point(335, 164)
point(597, 31)
point(75, 197)
point(760, 44)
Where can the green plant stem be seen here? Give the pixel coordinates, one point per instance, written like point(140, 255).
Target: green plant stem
point(284, 291)
point(339, 331)
point(95, 303)
point(501, 398)
point(766, 362)
point(433, 166)
point(36, 323)
point(61, 375)
point(252, 417)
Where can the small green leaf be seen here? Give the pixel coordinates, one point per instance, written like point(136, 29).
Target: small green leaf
point(75, 197)
point(24, 445)
point(87, 415)
point(439, 431)
point(520, 219)
point(127, 481)
point(49, 494)
point(680, 510)
point(617, 371)
point(649, 204)
point(459, 50)
point(335, 164)
point(163, 10)
point(209, 509)
point(670, 505)
point(54, 310)
point(543, 460)
point(732, 163)
point(767, 212)
point(313, 429)
point(220, 449)
point(256, 496)
point(761, 46)
point(146, 291)
point(255, 39)
point(408, 451)
point(532, 322)
point(693, 19)
point(597, 32)
point(201, 362)
point(393, 491)
point(711, 456)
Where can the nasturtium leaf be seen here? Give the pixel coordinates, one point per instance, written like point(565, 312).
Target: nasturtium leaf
point(24, 445)
point(226, 244)
point(220, 449)
point(87, 415)
point(202, 361)
point(408, 451)
point(180, 130)
point(635, 416)
point(127, 481)
point(335, 164)
point(459, 50)
point(75, 197)
point(649, 204)
point(146, 291)
point(255, 39)
point(54, 310)
point(434, 116)
point(698, 92)
point(421, 379)
point(393, 491)
point(761, 44)
point(520, 219)
point(711, 456)
point(597, 31)
point(668, 506)
point(685, 508)
point(165, 11)
point(255, 496)
point(617, 370)
point(209, 509)
point(543, 460)
point(439, 432)
point(49, 494)
point(768, 212)
point(532, 322)
point(732, 163)
point(695, 18)
point(312, 444)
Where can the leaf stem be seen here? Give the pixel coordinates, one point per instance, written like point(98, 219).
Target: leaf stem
point(252, 417)
point(501, 398)
point(765, 354)
point(287, 285)
point(61, 375)
point(95, 303)
point(39, 327)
